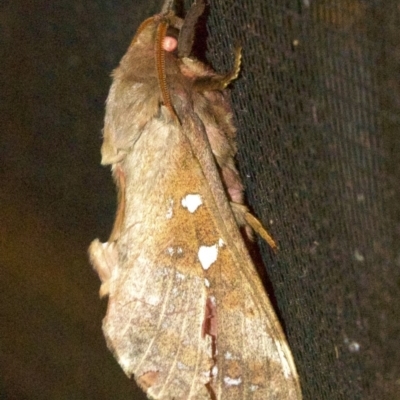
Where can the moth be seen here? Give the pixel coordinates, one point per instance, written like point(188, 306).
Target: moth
point(187, 314)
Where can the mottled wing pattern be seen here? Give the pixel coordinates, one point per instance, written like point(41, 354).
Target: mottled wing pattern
point(156, 322)
point(253, 360)
point(157, 296)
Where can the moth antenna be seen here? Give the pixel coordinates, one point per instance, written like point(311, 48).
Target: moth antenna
point(167, 6)
point(160, 65)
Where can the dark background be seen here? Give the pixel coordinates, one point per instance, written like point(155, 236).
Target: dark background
point(317, 107)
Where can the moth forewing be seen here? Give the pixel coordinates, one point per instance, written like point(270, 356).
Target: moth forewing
point(157, 295)
point(254, 360)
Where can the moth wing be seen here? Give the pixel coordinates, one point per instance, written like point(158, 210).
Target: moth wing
point(253, 357)
point(254, 360)
point(157, 295)
point(187, 314)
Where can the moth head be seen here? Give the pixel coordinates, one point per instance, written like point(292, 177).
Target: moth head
point(168, 25)
point(166, 33)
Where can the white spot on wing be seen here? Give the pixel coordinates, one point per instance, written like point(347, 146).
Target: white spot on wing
point(152, 300)
point(221, 243)
point(192, 202)
point(181, 366)
point(214, 370)
point(207, 255)
point(170, 212)
point(180, 276)
point(231, 381)
point(170, 251)
point(206, 282)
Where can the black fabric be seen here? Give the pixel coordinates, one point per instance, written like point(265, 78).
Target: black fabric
point(317, 109)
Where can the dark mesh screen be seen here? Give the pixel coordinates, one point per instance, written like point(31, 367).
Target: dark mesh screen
point(317, 108)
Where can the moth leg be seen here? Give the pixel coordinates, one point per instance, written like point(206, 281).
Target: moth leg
point(187, 30)
point(239, 211)
point(220, 82)
point(245, 218)
point(257, 226)
point(104, 258)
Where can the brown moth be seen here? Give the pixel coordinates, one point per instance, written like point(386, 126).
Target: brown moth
point(187, 313)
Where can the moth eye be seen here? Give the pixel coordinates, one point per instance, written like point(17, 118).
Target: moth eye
point(169, 43)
